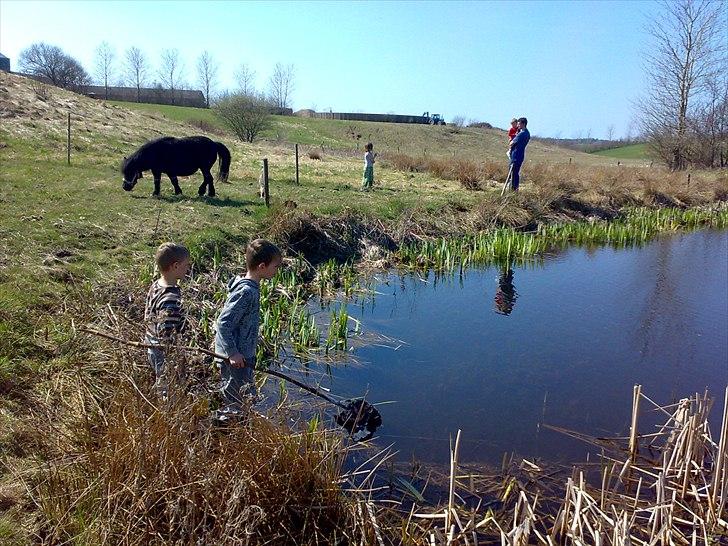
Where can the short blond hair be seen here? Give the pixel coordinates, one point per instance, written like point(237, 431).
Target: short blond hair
point(169, 254)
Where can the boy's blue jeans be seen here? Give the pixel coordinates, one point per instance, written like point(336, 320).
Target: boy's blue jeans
point(237, 383)
point(156, 359)
point(515, 177)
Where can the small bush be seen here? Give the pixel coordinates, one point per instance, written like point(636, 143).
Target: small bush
point(407, 163)
point(245, 115)
point(314, 154)
point(467, 173)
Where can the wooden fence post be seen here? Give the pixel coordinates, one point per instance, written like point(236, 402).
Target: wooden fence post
point(297, 182)
point(68, 144)
point(266, 192)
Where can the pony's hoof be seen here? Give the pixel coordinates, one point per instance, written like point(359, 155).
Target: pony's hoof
point(178, 192)
point(211, 194)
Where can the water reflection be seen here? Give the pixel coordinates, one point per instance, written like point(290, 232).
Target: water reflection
point(589, 326)
point(506, 295)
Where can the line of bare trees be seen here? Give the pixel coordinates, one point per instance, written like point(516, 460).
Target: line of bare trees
point(684, 113)
point(134, 69)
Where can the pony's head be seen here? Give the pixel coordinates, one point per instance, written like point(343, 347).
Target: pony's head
point(131, 173)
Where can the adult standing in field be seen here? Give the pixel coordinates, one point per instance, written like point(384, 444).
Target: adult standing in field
point(518, 151)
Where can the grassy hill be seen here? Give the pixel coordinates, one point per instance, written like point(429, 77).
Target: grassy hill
point(631, 152)
point(475, 144)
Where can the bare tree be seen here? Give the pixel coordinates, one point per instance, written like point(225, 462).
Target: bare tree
point(170, 71)
point(105, 65)
point(610, 132)
point(280, 86)
point(686, 53)
point(50, 62)
point(136, 68)
point(245, 76)
point(709, 127)
point(246, 115)
point(458, 122)
point(207, 69)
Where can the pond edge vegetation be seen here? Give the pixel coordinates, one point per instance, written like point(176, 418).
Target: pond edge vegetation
point(88, 485)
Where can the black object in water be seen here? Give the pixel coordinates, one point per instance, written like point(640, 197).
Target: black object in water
point(359, 418)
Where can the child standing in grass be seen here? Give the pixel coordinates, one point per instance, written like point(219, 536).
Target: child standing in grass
point(237, 327)
point(369, 157)
point(163, 313)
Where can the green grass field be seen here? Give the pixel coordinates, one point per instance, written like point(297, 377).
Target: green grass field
point(633, 151)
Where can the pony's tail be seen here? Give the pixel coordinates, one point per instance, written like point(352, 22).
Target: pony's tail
point(224, 171)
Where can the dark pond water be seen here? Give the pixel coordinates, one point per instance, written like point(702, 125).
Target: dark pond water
point(561, 343)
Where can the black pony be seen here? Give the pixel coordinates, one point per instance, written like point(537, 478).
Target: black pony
point(177, 157)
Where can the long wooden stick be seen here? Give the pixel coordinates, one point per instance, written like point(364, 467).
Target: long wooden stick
point(191, 348)
point(508, 179)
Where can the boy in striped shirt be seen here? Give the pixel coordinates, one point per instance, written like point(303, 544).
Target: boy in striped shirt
point(164, 314)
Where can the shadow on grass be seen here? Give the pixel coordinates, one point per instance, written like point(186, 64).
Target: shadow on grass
point(213, 201)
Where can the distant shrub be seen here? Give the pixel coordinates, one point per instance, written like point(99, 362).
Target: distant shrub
point(407, 163)
point(479, 124)
point(245, 115)
point(458, 121)
point(467, 173)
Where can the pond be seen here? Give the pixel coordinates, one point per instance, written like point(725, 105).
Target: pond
point(497, 353)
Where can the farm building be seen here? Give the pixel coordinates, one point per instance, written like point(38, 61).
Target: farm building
point(353, 116)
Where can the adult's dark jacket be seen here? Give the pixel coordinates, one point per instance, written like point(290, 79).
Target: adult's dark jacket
point(518, 148)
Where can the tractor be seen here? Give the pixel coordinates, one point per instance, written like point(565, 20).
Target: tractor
point(434, 119)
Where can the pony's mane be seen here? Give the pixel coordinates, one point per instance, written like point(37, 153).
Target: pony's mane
point(131, 161)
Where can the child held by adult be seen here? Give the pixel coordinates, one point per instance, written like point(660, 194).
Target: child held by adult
point(236, 334)
point(164, 313)
point(512, 132)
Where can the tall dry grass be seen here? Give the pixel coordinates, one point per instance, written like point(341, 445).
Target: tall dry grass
point(608, 187)
point(122, 466)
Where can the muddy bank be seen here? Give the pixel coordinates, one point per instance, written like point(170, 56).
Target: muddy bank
point(354, 236)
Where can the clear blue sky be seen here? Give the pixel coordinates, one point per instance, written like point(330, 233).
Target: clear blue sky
point(570, 67)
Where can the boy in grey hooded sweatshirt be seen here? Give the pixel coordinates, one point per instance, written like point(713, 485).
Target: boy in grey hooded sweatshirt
point(236, 334)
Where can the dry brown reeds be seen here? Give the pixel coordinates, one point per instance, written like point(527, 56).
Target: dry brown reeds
point(657, 488)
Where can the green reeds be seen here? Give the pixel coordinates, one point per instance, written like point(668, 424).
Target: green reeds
point(332, 276)
point(508, 246)
point(338, 330)
point(285, 316)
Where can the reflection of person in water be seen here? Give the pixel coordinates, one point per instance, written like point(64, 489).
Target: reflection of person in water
point(506, 295)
